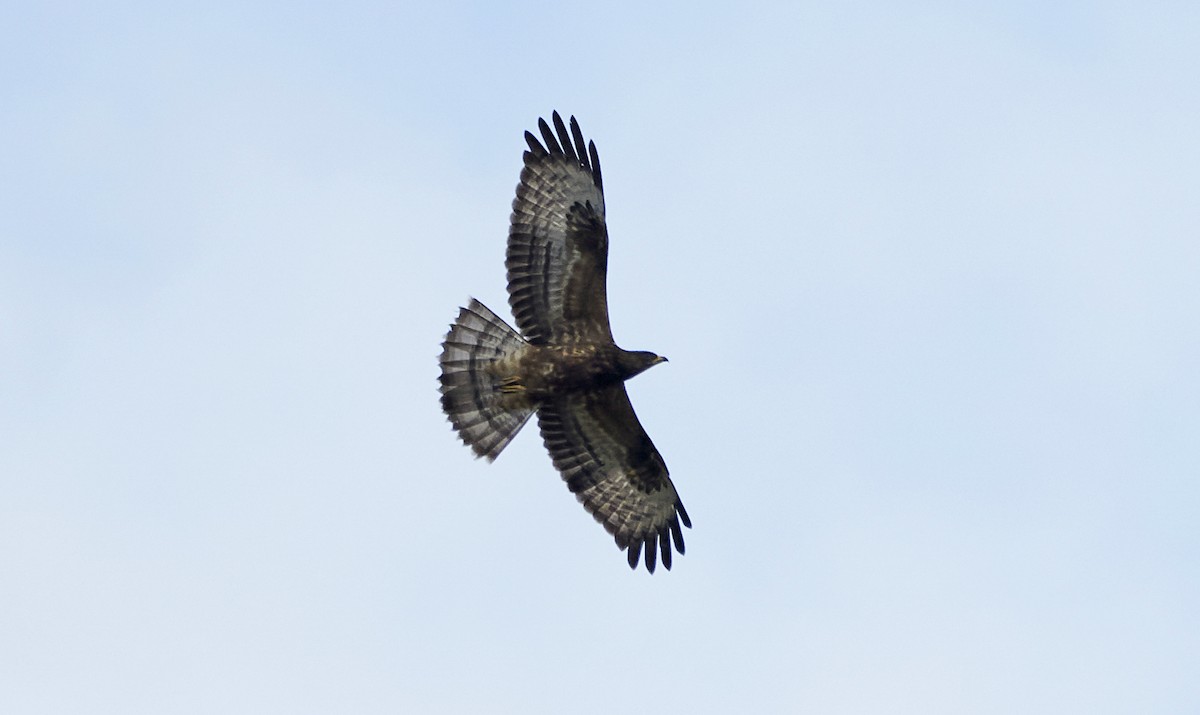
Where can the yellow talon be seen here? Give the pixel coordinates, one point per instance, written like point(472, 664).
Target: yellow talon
point(510, 385)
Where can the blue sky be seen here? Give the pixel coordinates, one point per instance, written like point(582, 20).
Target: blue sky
point(926, 274)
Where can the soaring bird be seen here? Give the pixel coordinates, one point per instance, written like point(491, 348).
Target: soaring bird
point(563, 365)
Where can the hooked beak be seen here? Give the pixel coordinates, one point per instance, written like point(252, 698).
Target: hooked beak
point(659, 359)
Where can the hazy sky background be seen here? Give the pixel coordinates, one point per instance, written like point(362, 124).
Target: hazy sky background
point(927, 275)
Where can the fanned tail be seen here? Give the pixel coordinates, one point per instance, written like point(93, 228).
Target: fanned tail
point(486, 418)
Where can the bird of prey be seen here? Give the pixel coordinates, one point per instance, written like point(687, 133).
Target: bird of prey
point(563, 365)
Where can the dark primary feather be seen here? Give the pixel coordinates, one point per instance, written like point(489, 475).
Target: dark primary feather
point(568, 148)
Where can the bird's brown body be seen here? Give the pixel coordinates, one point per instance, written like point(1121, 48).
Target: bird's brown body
point(550, 371)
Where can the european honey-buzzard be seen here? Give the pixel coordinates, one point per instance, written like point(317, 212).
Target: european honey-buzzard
point(563, 365)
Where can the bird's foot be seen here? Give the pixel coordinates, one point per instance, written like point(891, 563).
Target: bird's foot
point(511, 385)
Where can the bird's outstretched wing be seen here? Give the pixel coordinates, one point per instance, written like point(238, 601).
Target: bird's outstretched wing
point(612, 467)
point(557, 243)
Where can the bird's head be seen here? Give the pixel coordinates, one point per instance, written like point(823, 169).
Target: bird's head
point(638, 361)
